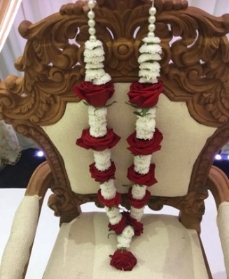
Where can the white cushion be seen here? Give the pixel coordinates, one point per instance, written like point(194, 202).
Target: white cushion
point(166, 250)
point(183, 140)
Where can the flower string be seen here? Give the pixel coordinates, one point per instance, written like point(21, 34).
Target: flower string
point(95, 91)
point(146, 139)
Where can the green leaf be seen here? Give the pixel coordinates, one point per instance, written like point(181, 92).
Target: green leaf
point(127, 185)
point(132, 105)
point(108, 236)
point(137, 113)
point(86, 104)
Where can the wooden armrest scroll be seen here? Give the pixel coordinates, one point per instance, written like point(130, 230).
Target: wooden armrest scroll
point(40, 181)
point(218, 184)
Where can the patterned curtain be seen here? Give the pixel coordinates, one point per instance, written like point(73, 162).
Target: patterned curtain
point(10, 149)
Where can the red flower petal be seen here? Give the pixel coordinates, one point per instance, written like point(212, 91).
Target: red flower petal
point(138, 203)
point(145, 147)
point(102, 176)
point(112, 202)
point(137, 226)
point(142, 179)
point(145, 95)
point(94, 95)
point(118, 228)
point(98, 144)
point(123, 260)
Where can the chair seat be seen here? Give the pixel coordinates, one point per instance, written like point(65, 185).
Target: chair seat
point(165, 250)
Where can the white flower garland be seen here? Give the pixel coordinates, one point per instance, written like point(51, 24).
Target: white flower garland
point(93, 57)
point(149, 71)
point(145, 125)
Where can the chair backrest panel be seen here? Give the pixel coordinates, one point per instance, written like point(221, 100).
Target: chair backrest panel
point(183, 140)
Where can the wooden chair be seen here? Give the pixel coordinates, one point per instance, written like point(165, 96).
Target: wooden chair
point(192, 114)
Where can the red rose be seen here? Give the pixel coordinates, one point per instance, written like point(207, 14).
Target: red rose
point(145, 95)
point(102, 176)
point(98, 144)
point(118, 228)
point(142, 179)
point(94, 95)
point(111, 202)
point(137, 226)
point(123, 260)
point(145, 147)
point(138, 203)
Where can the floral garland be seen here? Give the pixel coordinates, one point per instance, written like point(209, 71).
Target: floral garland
point(96, 90)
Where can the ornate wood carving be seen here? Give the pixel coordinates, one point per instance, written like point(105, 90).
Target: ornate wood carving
point(218, 184)
point(194, 70)
point(53, 60)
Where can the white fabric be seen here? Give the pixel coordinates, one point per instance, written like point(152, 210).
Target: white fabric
point(17, 251)
point(183, 141)
point(9, 146)
point(222, 220)
point(166, 250)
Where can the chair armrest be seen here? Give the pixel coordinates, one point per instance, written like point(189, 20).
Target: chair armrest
point(18, 248)
point(218, 184)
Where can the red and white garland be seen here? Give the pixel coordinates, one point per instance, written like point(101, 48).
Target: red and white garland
point(96, 90)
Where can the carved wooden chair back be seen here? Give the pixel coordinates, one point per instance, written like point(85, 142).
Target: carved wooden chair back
point(192, 112)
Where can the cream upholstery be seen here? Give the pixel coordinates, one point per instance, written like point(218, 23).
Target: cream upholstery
point(222, 219)
point(180, 146)
point(167, 250)
point(17, 251)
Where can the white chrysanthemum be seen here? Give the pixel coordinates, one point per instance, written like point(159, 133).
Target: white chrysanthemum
point(94, 66)
point(149, 66)
point(90, 75)
point(145, 127)
point(100, 113)
point(153, 66)
point(125, 238)
point(138, 192)
point(108, 190)
point(144, 133)
point(94, 60)
point(136, 213)
point(96, 52)
point(146, 57)
point(147, 80)
point(98, 131)
point(113, 215)
point(102, 80)
point(97, 121)
point(93, 120)
point(142, 163)
point(150, 49)
point(102, 159)
point(149, 74)
point(93, 44)
point(98, 127)
point(151, 40)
